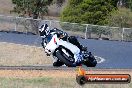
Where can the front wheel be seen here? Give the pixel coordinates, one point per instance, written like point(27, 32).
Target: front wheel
point(58, 63)
point(65, 60)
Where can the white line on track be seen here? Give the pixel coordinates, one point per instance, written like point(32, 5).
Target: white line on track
point(99, 59)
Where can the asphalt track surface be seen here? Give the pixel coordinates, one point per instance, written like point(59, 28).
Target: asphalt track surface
point(116, 54)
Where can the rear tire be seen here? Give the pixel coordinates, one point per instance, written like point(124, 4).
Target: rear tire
point(90, 62)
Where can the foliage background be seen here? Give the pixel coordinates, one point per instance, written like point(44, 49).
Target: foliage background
point(88, 11)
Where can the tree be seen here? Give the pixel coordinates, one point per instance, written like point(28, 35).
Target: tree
point(129, 4)
point(33, 8)
point(121, 18)
point(88, 11)
point(125, 3)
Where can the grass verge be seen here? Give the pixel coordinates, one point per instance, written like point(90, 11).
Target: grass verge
point(47, 82)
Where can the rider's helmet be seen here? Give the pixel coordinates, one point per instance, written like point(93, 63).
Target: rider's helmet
point(65, 36)
point(62, 35)
point(44, 30)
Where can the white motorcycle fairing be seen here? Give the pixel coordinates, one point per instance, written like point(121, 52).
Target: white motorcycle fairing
point(55, 42)
point(74, 49)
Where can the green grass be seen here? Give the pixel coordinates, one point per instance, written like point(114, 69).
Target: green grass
point(24, 82)
point(47, 82)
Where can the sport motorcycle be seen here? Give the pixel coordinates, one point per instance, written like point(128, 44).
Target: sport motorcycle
point(61, 47)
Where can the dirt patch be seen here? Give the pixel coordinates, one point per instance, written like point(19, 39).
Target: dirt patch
point(37, 73)
point(18, 55)
point(53, 73)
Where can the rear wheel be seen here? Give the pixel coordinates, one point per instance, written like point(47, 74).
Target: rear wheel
point(90, 62)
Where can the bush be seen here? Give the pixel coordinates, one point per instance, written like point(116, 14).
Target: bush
point(87, 11)
point(121, 18)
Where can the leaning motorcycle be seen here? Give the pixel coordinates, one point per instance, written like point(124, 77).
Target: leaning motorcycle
point(62, 54)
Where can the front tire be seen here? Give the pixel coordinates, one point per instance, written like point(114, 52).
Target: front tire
point(59, 54)
point(58, 63)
